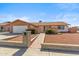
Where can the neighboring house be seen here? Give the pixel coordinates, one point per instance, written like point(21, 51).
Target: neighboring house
point(19, 26)
point(5, 26)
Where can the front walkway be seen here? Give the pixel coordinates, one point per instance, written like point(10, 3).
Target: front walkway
point(34, 49)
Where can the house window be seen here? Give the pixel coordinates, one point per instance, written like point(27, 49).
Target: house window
point(61, 27)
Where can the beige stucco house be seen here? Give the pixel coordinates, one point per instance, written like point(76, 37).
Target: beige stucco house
point(19, 26)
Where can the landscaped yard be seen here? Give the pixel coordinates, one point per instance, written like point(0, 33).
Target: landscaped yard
point(66, 38)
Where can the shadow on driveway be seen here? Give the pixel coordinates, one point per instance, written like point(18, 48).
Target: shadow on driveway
point(20, 52)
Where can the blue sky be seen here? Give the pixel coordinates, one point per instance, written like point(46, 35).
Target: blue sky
point(47, 12)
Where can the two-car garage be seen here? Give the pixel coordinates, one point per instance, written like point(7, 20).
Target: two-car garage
point(19, 26)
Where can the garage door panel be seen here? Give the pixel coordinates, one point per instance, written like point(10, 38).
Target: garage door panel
point(19, 29)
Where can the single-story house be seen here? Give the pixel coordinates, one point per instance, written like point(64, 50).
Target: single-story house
point(5, 26)
point(19, 26)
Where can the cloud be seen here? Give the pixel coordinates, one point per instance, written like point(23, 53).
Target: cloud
point(12, 18)
point(72, 19)
point(1, 16)
point(68, 6)
point(23, 18)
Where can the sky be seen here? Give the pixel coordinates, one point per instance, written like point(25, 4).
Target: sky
point(46, 12)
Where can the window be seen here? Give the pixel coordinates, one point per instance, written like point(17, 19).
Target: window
point(60, 27)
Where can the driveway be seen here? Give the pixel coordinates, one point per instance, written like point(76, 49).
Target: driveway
point(6, 35)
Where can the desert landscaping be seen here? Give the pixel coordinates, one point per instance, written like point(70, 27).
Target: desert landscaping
point(64, 38)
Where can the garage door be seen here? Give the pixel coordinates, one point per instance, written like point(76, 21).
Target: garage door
point(19, 29)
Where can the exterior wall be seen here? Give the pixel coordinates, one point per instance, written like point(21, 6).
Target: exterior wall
point(44, 28)
point(41, 28)
point(9, 28)
point(54, 27)
point(6, 28)
point(73, 30)
point(31, 27)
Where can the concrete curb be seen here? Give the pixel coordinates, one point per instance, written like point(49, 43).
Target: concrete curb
point(10, 43)
point(71, 47)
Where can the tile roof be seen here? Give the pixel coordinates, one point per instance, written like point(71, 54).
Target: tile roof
point(5, 23)
point(22, 21)
point(38, 23)
point(50, 23)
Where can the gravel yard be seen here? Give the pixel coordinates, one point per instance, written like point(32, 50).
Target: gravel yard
point(66, 38)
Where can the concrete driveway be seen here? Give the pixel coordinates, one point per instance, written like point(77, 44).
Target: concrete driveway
point(6, 35)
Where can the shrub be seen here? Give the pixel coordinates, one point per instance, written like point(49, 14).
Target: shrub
point(51, 31)
point(32, 31)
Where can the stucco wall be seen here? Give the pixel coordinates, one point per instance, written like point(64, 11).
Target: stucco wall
point(73, 30)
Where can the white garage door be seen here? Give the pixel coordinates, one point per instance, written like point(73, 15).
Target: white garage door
point(19, 29)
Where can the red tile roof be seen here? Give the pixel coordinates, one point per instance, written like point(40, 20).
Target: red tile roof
point(3, 24)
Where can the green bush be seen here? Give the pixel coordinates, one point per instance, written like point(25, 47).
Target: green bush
point(51, 31)
point(32, 31)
